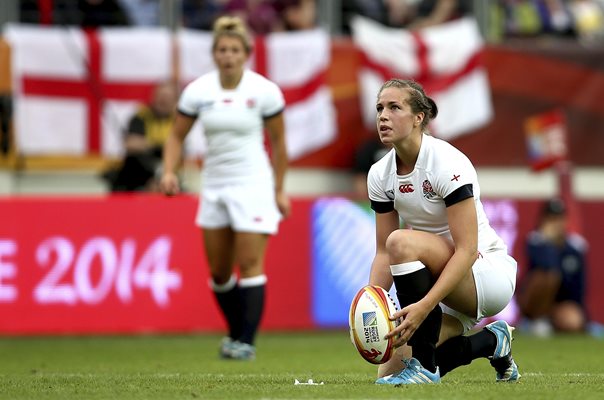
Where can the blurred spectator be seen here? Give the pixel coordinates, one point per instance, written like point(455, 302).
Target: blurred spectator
point(583, 19)
point(411, 14)
point(201, 14)
point(588, 16)
point(266, 16)
point(261, 16)
point(534, 17)
point(147, 131)
point(368, 153)
point(553, 289)
point(141, 12)
point(557, 17)
point(6, 113)
point(87, 13)
point(297, 14)
point(29, 12)
point(435, 12)
point(386, 12)
point(101, 13)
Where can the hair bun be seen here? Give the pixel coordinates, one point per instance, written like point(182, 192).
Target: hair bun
point(232, 26)
point(433, 107)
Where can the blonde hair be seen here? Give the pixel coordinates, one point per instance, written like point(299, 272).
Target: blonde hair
point(232, 27)
point(418, 101)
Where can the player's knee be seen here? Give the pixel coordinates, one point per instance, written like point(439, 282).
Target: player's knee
point(221, 277)
point(568, 317)
point(399, 246)
point(220, 270)
point(250, 265)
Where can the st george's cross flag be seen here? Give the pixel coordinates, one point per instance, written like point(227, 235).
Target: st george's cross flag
point(75, 90)
point(444, 59)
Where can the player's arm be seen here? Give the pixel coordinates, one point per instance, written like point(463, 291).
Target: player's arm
point(172, 153)
point(276, 131)
point(463, 225)
point(385, 224)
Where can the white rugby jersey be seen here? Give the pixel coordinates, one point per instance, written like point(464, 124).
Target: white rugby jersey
point(442, 175)
point(232, 121)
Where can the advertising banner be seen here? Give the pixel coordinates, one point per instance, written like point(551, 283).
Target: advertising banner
point(133, 264)
point(127, 264)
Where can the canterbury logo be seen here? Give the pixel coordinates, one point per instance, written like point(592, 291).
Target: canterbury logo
point(407, 188)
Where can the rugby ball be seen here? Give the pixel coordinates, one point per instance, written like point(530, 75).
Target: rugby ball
point(369, 321)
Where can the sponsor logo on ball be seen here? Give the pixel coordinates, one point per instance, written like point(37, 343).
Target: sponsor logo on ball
point(370, 328)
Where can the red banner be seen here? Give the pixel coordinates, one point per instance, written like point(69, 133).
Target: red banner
point(131, 264)
point(126, 264)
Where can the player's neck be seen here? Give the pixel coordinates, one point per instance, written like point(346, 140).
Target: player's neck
point(407, 152)
point(230, 81)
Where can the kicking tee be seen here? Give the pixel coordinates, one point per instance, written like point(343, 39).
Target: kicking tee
point(232, 121)
point(442, 176)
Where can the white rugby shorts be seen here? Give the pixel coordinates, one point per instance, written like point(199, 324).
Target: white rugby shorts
point(245, 208)
point(495, 278)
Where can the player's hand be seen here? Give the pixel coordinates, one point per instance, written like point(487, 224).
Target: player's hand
point(411, 318)
point(283, 204)
point(169, 184)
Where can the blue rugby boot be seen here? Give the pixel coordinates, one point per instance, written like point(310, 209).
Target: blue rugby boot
point(413, 373)
point(225, 347)
point(502, 361)
point(235, 350)
point(242, 351)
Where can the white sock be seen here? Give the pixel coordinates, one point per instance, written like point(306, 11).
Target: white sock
point(406, 268)
point(224, 287)
point(258, 280)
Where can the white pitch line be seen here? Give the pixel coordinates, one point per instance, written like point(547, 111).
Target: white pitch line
point(567, 374)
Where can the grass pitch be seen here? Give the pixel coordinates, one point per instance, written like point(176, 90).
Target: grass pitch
point(187, 367)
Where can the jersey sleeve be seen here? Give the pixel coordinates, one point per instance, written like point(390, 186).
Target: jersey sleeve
point(380, 203)
point(187, 104)
point(455, 179)
point(273, 101)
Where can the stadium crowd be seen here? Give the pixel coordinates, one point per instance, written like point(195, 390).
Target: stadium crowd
point(262, 16)
point(583, 19)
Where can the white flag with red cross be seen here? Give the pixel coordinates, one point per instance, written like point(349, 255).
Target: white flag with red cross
point(74, 90)
point(444, 59)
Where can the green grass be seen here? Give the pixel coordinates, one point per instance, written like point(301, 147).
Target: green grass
point(187, 367)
